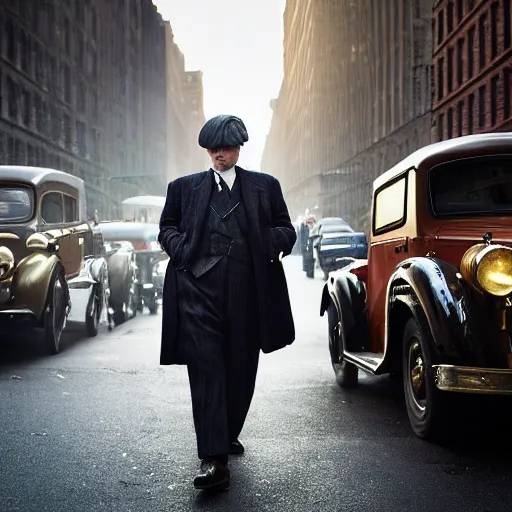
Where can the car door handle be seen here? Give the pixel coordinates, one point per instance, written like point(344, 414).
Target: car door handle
point(401, 248)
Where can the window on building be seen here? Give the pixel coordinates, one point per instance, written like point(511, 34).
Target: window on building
point(10, 36)
point(507, 15)
point(440, 79)
point(471, 109)
point(494, 29)
point(37, 113)
point(25, 51)
point(440, 127)
point(390, 206)
point(449, 124)
point(471, 52)
point(80, 50)
point(460, 10)
point(481, 106)
point(471, 4)
point(440, 27)
point(67, 35)
point(94, 23)
point(52, 209)
point(450, 70)
point(460, 118)
point(94, 105)
point(449, 17)
point(30, 155)
point(494, 99)
point(12, 98)
point(460, 61)
point(81, 97)
point(44, 118)
point(482, 23)
point(50, 18)
point(80, 139)
point(26, 108)
point(506, 93)
point(67, 83)
point(56, 124)
point(52, 72)
point(66, 128)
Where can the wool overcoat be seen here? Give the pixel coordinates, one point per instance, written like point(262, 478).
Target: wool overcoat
point(270, 233)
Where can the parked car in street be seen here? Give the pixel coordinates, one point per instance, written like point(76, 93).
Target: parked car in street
point(309, 258)
point(148, 253)
point(123, 280)
point(336, 250)
point(433, 301)
point(52, 265)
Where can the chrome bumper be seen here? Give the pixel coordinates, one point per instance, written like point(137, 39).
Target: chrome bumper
point(465, 379)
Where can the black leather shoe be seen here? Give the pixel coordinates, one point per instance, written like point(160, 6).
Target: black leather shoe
point(212, 476)
point(236, 448)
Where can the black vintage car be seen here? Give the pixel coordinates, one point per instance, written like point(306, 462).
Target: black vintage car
point(309, 257)
point(52, 264)
point(337, 249)
point(148, 253)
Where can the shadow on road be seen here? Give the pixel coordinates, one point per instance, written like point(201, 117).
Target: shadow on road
point(25, 345)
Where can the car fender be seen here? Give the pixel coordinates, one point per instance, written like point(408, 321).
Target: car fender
point(31, 281)
point(98, 268)
point(342, 289)
point(432, 289)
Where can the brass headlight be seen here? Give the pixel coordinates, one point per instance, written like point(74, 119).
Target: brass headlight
point(6, 263)
point(488, 267)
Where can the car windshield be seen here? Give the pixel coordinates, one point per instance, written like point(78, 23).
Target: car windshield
point(474, 186)
point(15, 204)
point(336, 228)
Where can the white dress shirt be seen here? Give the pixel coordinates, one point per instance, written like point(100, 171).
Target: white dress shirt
point(228, 176)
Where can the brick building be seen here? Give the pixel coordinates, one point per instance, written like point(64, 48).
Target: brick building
point(472, 67)
point(355, 99)
point(82, 88)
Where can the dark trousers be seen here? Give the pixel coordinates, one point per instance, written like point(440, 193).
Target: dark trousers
point(218, 334)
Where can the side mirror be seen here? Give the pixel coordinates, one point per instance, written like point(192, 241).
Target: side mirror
point(38, 242)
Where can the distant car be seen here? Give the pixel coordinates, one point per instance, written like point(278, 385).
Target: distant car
point(325, 224)
point(433, 302)
point(336, 250)
point(148, 253)
point(52, 264)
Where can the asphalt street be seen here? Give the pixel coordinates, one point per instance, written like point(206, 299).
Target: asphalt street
point(102, 427)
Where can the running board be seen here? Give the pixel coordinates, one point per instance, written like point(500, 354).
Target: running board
point(366, 361)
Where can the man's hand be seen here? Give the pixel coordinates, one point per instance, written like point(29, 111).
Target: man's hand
point(282, 232)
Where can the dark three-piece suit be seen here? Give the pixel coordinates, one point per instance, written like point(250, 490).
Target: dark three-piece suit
point(225, 293)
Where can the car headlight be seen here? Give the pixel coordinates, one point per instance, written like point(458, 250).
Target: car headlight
point(6, 263)
point(488, 267)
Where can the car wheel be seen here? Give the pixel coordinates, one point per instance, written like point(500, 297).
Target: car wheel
point(426, 405)
point(55, 312)
point(346, 373)
point(92, 319)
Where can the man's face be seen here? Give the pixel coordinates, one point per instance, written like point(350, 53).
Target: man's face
point(224, 158)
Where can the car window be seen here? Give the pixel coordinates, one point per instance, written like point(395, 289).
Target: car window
point(390, 206)
point(15, 204)
point(472, 186)
point(52, 210)
point(70, 209)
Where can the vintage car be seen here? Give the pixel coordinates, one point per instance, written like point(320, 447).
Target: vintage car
point(336, 249)
point(433, 301)
point(122, 278)
point(52, 265)
point(309, 258)
point(148, 253)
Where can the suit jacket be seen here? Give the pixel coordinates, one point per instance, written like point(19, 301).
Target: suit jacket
point(270, 234)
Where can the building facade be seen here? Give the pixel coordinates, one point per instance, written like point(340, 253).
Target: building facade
point(81, 88)
point(193, 88)
point(355, 99)
point(472, 67)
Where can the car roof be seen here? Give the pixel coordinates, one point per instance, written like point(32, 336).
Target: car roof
point(448, 149)
point(126, 231)
point(38, 175)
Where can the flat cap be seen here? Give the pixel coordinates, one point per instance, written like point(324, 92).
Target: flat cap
point(223, 132)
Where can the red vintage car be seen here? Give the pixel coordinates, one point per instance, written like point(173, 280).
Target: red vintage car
point(433, 300)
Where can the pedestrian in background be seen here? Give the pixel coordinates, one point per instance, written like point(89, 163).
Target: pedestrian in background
point(225, 295)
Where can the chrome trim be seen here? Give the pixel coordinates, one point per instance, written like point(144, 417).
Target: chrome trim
point(466, 379)
point(9, 236)
point(21, 311)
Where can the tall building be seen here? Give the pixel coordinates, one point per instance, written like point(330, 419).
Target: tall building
point(472, 67)
point(355, 99)
point(81, 90)
point(194, 99)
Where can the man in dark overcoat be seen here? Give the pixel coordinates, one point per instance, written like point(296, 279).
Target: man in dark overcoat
point(225, 294)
